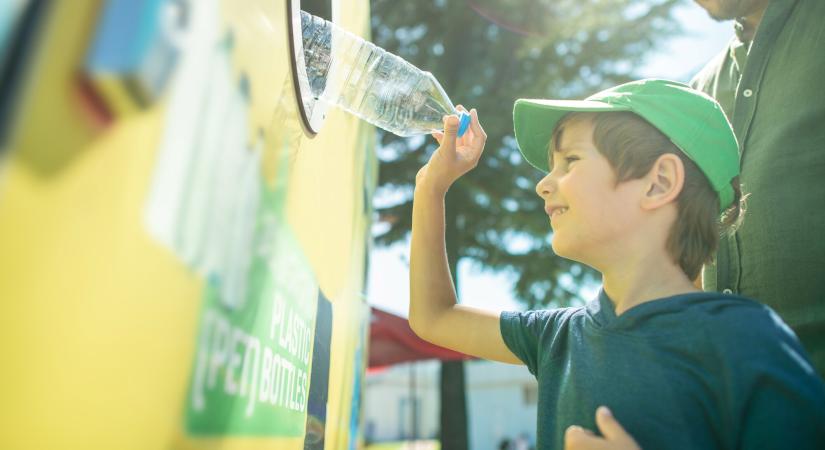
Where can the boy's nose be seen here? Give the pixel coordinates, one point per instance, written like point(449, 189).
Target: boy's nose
point(545, 186)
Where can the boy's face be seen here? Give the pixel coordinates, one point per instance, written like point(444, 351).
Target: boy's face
point(588, 211)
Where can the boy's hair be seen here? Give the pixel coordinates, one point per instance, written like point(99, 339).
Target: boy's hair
point(632, 145)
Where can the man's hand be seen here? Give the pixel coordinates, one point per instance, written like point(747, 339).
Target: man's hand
point(454, 156)
point(615, 437)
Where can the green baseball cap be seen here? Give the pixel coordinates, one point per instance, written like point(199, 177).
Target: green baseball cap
point(693, 121)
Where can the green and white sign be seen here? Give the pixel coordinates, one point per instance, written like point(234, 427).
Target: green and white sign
point(208, 203)
point(251, 373)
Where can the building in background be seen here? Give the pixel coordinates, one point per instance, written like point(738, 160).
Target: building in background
point(401, 403)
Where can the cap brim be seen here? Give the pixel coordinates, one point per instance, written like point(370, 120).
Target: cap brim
point(534, 121)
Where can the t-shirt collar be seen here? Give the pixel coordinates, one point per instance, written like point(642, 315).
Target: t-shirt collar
point(601, 309)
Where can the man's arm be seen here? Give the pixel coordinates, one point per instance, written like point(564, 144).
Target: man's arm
point(434, 314)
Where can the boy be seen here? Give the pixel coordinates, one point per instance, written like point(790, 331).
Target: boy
point(638, 175)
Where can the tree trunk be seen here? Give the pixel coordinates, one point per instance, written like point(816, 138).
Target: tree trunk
point(453, 406)
point(453, 418)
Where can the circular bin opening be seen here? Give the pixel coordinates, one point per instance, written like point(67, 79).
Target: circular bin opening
point(312, 111)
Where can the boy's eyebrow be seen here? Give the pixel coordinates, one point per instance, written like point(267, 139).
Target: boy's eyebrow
point(563, 150)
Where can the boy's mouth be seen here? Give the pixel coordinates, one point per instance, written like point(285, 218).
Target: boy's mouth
point(554, 211)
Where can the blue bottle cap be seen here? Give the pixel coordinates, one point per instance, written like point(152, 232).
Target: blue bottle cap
point(463, 124)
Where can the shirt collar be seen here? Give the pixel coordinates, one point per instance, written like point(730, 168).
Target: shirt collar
point(601, 309)
point(739, 30)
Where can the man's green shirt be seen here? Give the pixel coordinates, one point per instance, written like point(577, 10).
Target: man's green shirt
point(772, 90)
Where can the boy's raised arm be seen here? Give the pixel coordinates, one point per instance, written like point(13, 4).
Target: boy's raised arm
point(434, 314)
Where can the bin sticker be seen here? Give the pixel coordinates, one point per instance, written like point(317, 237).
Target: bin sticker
point(252, 364)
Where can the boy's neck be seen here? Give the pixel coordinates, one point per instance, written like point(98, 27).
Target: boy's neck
point(648, 278)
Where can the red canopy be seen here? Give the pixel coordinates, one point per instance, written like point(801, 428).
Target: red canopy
point(392, 341)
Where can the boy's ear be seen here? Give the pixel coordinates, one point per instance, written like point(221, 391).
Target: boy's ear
point(665, 181)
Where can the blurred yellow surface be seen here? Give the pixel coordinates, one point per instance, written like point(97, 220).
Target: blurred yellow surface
point(99, 321)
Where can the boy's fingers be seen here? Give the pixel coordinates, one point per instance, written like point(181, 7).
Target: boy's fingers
point(450, 131)
point(475, 125)
point(439, 136)
point(450, 124)
point(610, 427)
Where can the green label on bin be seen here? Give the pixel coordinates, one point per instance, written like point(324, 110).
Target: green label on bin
point(252, 363)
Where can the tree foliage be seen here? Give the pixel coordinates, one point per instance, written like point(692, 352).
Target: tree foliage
point(486, 54)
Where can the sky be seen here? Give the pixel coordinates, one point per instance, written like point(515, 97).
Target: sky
point(388, 282)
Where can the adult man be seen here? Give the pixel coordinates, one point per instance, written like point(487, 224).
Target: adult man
point(768, 81)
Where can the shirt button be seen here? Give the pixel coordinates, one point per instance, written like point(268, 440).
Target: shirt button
point(747, 92)
point(727, 291)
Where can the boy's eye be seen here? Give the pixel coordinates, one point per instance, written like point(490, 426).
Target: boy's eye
point(571, 159)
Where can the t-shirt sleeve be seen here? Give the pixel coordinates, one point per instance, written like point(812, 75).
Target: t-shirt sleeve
point(784, 405)
point(530, 334)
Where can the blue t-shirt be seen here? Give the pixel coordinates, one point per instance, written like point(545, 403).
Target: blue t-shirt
point(693, 371)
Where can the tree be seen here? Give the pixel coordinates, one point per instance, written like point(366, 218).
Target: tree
point(487, 53)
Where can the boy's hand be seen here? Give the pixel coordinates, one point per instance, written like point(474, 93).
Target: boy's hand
point(615, 437)
point(454, 156)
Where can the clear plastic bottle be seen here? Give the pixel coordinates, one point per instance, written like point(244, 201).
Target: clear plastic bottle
point(371, 83)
